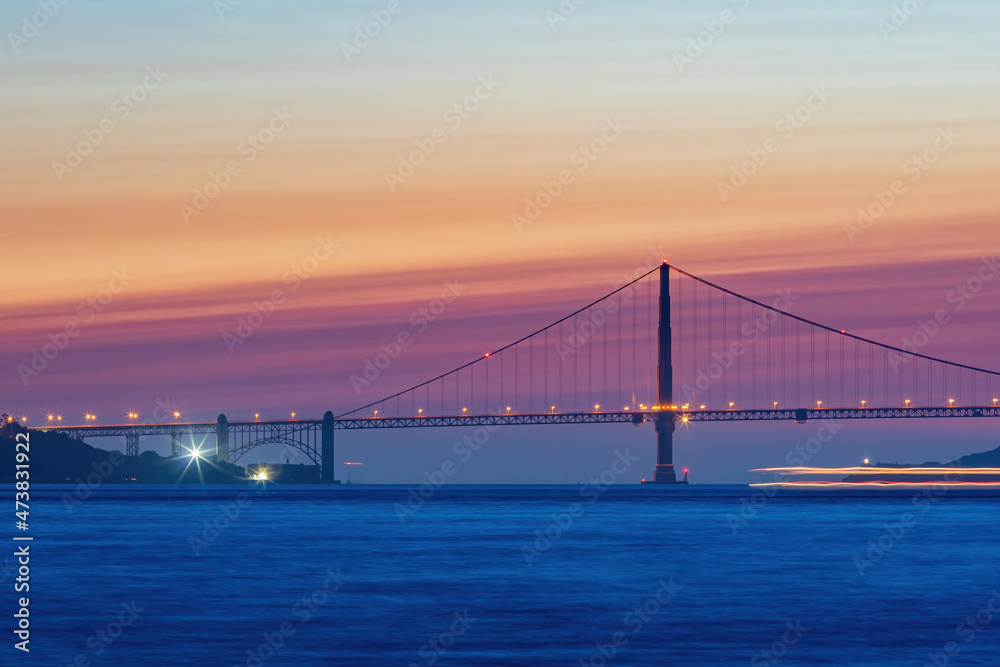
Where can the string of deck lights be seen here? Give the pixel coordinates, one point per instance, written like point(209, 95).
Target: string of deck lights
point(90, 418)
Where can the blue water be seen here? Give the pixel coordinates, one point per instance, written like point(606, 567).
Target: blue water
point(717, 590)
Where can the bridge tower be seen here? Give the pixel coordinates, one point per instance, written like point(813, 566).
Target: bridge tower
point(222, 440)
point(326, 449)
point(664, 420)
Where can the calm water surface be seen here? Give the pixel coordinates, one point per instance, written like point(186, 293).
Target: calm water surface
point(628, 576)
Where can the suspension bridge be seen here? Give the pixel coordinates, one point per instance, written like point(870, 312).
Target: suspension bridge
point(664, 348)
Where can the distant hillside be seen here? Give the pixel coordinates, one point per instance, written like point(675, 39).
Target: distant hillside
point(57, 458)
point(990, 459)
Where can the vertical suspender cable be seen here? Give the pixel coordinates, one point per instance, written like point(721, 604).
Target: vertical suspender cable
point(826, 340)
point(635, 366)
point(767, 375)
point(784, 394)
point(711, 348)
point(753, 362)
point(725, 333)
point(739, 364)
point(798, 362)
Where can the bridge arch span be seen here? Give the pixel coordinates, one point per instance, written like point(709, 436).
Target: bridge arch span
point(237, 453)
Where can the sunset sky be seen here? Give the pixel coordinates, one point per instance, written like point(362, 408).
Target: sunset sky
point(116, 117)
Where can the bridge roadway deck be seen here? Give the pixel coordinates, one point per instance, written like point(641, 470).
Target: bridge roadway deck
point(113, 430)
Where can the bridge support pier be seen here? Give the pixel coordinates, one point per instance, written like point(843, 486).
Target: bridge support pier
point(326, 449)
point(222, 440)
point(664, 473)
point(176, 443)
point(664, 421)
point(131, 444)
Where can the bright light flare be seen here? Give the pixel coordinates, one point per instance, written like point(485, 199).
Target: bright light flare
point(879, 485)
point(875, 470)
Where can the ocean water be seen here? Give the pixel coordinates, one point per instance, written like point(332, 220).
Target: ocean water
point(508, 575)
